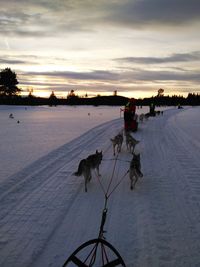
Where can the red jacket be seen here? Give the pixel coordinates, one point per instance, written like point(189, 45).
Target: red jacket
point(129, 111)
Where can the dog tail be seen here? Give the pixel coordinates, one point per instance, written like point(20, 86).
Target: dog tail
point(80, 168)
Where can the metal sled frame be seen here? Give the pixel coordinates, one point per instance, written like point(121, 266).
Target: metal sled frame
point(91, 257)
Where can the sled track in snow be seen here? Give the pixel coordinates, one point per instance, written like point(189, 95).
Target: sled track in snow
point(174, 186)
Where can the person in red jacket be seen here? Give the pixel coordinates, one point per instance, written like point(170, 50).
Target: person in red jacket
point(130, 124)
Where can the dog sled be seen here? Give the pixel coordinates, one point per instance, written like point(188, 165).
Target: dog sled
point(130, 121)
point(131, 126)
point(130, 118)
point(96, 250)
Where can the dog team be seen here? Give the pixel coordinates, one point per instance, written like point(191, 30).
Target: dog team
point(92, 162)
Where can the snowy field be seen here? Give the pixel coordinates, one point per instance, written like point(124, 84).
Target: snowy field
point(43, 129)
point(45, 213)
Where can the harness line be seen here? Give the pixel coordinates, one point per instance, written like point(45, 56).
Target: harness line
point(118, 183)
point(107, 194)
point(117, 159)
point(112, 174)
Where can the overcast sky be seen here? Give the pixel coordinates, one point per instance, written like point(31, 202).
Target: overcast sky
point(96, 47)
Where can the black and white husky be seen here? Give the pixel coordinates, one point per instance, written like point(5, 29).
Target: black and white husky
point(86, 165)
point(135, 170)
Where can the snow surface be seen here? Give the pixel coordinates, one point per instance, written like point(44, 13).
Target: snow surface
point(45, 213)
point(42, 129)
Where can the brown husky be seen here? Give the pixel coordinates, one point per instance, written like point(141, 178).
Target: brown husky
point(86, 165)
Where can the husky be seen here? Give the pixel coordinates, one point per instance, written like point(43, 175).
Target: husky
point(141, 117)
point(147, 115)
point(86, 165)
point(135, 170)
point(117, 141)
point(131, 142)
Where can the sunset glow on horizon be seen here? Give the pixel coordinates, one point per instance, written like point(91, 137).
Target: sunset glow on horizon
point(97, 47)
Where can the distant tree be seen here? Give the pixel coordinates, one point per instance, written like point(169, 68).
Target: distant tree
point(115, 93)
point(160, 92)
point(8, 82)
point(193, 99)
point(72, 99)
point(30, 90)
point(52, 99)
point(71, 94)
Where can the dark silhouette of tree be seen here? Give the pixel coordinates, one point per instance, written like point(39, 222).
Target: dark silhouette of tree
point(193, 99)
point(52, 99)
point(8, 83)
point(30, 92)
point(73, 99)
point(115, 93)
point(160, 92)
point(71, 94)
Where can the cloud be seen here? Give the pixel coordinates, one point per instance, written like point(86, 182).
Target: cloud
point(45, 18)
point(174, 58)
point(96, 75)
point(19, 60)
point(50, 18)
point(160, 13)
point(126, 77)
point(13, 61)
point(146, 75)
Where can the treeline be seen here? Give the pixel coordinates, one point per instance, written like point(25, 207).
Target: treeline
point(10, 95)
point(54, 101)
point(191, 100)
